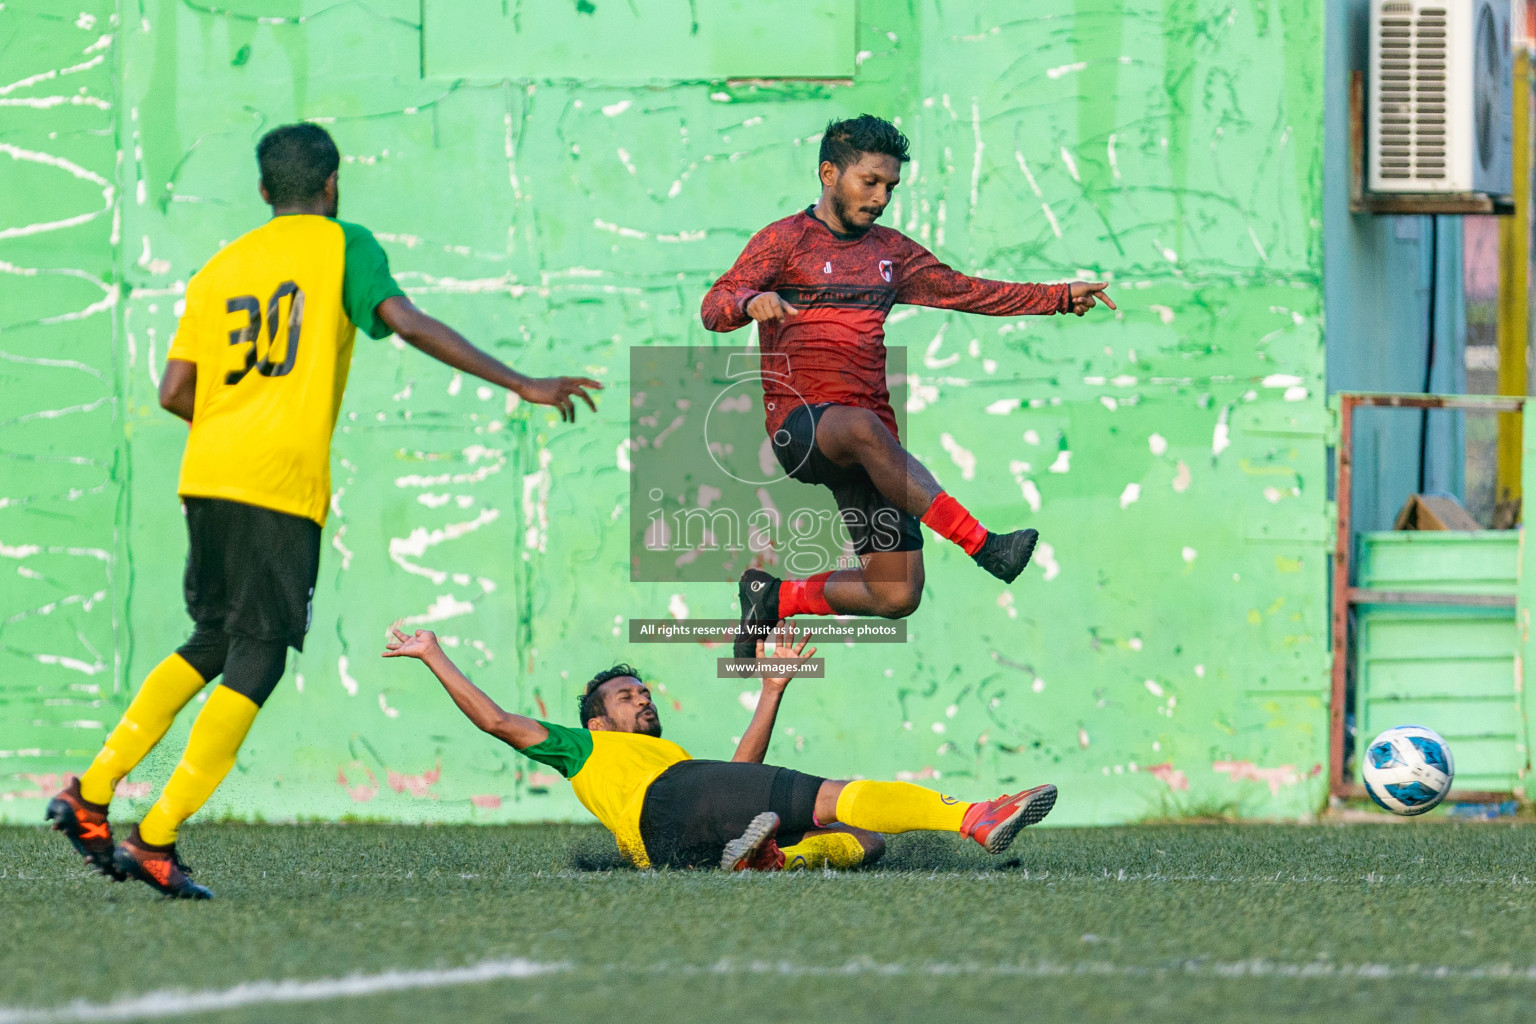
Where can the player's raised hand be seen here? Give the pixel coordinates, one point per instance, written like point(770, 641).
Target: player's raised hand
point(768, 306)
point(787, 645)
point(1087, 294)
point(557, 391)
point(410, 645)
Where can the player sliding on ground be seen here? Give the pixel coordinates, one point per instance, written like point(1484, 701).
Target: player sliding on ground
point(820, 284)
point(666, 809)
point(257, 368)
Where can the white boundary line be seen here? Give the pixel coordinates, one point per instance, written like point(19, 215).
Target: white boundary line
point(174, 1002)
point(179, 1002)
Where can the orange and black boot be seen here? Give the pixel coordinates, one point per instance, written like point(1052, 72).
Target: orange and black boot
point(757, 849)
point(994, 823)
point(158, 867)
point(86, 827)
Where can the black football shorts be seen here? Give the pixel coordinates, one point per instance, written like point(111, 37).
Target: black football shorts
point(250, 571)
point(695, 807)
point(873, 521)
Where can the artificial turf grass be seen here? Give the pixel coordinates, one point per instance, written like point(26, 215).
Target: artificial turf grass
point(614, 995)
point(325, 901)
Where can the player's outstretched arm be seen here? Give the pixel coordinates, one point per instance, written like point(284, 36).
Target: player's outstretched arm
point(517, 730)
point(178, 388)
point(927, 282)
point(786, 646)
point(448, 346)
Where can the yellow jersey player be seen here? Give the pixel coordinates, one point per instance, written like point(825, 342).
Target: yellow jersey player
point(258, 367)
point(666, 809)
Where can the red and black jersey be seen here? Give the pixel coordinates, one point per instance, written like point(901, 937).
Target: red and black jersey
point(844, 286)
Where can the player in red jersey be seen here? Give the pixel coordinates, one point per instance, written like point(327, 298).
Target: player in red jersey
point(820, 284)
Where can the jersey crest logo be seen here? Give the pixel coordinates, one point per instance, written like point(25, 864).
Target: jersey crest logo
point(885, 270)
point(828, 268)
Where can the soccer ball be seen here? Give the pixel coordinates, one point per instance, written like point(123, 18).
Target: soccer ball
point(1408, 769)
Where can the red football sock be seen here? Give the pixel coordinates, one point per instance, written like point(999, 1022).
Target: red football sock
point(949, 519)
point(804, 597)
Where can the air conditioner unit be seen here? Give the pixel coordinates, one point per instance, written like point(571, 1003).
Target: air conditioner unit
point(1441, 96)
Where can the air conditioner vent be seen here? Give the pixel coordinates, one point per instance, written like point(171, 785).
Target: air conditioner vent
point(1440, 88)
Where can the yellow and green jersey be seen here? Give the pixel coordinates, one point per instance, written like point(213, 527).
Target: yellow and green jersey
point(269, 322)
point(610, 772)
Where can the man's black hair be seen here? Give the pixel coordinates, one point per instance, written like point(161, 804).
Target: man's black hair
point(591, 701)
point(295, 160)
point(843, 141)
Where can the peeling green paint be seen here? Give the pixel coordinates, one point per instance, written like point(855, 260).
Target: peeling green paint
point(1165, 653)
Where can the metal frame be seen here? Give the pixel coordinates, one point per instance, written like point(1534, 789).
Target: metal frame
point(1345, 596)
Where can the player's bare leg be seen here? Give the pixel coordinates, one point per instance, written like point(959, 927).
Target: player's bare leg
point(887, 583)
point(852, 436)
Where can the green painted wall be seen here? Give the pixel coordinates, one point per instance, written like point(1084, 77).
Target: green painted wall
point(1165, 654)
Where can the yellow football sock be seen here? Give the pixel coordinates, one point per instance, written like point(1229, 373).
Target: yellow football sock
point(898, 807)
point(840, 851)
point(216, 737)
point(166, 691)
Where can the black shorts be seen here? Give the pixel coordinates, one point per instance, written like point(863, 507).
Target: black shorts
point(695, 807)
point(250, 571)
point(874, 522)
